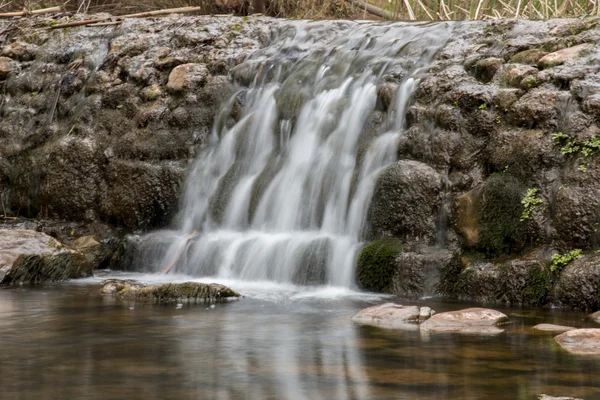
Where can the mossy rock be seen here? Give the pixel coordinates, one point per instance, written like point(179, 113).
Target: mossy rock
point(376, 264)
point(500, 229)
point(526, 282)
point(189, 292)
point(529, 57)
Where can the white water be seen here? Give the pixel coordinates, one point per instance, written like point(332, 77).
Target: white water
point(280, 196)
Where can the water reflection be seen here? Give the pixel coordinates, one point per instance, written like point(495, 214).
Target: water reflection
point(63, 343)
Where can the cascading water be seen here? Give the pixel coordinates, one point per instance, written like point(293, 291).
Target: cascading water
point(282, 194)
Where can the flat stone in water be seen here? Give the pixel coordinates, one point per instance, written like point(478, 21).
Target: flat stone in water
point(580, 341)
point(389, 315)
point(595, 317)
point(192, 292)
point(553, 328)
point(546, 397)
point(481, 321)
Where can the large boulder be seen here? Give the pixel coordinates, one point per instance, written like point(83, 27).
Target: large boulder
point(471, 320)
point(34, 257)
point(580, 341)
point(579, 284)
point(191, 292)
point(406, 202)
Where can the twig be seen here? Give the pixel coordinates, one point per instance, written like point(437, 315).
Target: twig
point(187, 238)
point(121, 17)
point(34, 12)
point(372, 9)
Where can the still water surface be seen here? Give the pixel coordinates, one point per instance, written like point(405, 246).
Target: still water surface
point(280, 342)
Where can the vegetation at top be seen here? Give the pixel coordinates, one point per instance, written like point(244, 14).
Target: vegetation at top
point(394, 9)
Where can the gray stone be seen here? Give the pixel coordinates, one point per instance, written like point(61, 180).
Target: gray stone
point(388, 315)
point(580, 341)
point(34, 257)
point(188, 292)
point(552, 328)
point(472, 320)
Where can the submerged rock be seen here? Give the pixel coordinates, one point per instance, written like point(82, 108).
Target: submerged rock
point(192, 292)
point(34, 257)
point(580, 341)
point(471, 320)
point(552, 328)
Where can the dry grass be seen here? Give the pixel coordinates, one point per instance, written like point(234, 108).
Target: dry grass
point(401, 9)
point(487, 9)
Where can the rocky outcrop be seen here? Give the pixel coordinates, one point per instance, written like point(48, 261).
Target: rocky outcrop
point(580, 341)
point(101, 125)
point(471, 320)
point(34, 257)
point(189, 292)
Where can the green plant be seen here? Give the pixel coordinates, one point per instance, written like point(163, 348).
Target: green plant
point(483, 107)
point(560, 261)
point(582, 151)
point(530, 202)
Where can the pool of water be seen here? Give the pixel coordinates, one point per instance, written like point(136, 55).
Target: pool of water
point(65, 341)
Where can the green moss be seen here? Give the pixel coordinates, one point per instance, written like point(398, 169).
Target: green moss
point(500, 228)
point(530, 57)
point(538, 287)
point(375, 264)
point(560, 261)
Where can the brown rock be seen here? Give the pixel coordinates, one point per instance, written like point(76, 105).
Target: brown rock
point(466, 215)
point(470, 320)
point(388, 315)
point(553, 328)
point(580, 341)
point(187, 77)
point(7, 65)
point(565, 55)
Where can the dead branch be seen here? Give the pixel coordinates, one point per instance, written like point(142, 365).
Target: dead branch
point(155, 13)
point(187, 239)
point(25, 13)
point(372, 9)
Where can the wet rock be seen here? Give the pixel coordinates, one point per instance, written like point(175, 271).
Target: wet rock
point(97, 253)
point(580, 341)
point(20, 50)
point(528, 57)
point(385, 95)
point(595, 317)
point(565, 55)
point(579, 284)
point(484, 70)
point(406, 202)
point(514, 74)
point(187, 77)
point(376, 264)
point(189, 292)
point(388, 315)
point(552, 328)
point(546, 397)
point(34, 257)
point(7, 65)
point(471, 320)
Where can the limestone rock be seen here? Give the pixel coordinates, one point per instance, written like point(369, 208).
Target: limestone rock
point(484, 70)
point(565, 55)
point(471, 320)
point(34, 257)
point(187, 77)
point(7, 65)
point(388, 315)
point(595, 317)
point(192, 292)
point(578, 284)
point(552, 328)
point(546, 397)
point(406, 201)
point(96, 252)
point(580, 341)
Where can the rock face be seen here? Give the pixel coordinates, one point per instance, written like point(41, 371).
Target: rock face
point(191, 292)
point(580, 341)
point(471, 320)
point(34, 257)
point(101, 126)
point(552, 328)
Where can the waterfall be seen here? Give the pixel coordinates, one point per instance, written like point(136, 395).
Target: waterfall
point(281, 192)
